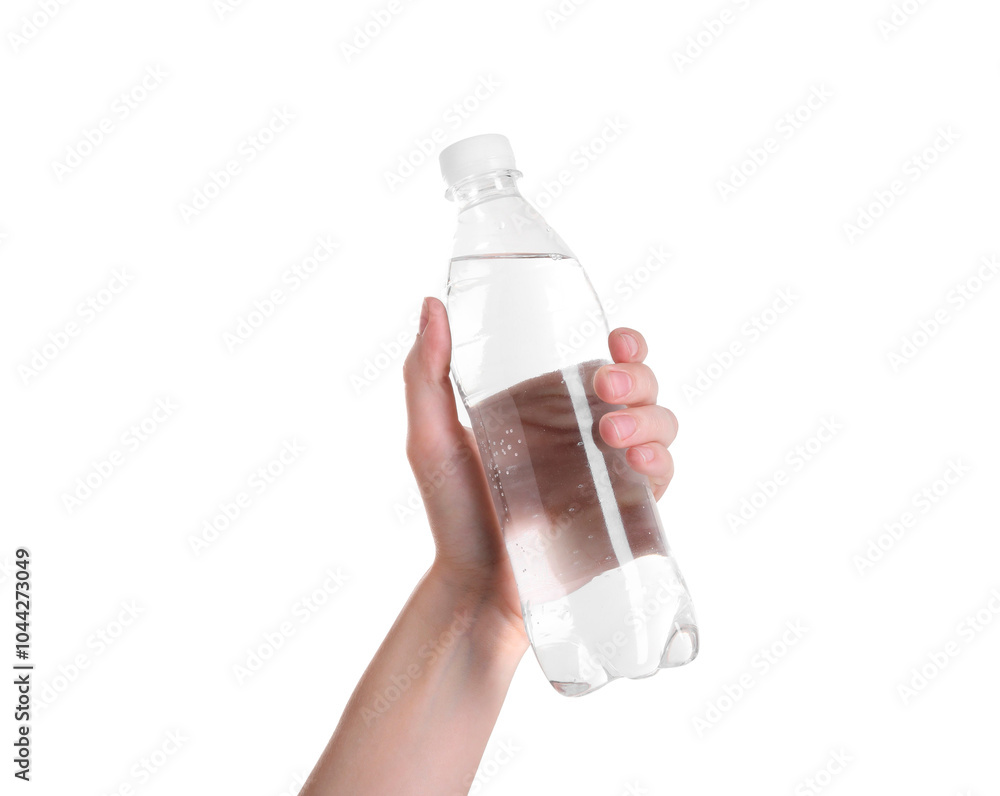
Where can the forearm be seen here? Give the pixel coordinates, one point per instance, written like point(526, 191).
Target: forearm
point(419, 720)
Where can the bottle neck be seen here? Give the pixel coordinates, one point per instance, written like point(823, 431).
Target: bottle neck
point(483, 187)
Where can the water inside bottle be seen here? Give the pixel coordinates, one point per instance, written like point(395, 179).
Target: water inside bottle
point(602, 597)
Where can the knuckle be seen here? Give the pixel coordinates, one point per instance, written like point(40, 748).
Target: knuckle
point(659, 422)
point(408, 369)
point(652, 385)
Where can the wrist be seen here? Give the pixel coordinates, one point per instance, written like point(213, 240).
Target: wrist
point(484, 604)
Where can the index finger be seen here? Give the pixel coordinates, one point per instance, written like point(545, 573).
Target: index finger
point(627, 345)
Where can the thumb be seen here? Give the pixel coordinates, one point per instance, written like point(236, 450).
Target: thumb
point(433, 429)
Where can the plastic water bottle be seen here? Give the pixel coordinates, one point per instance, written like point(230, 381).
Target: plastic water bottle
point(601, 595)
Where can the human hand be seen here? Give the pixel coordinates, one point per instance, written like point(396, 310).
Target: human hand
point(470, 552)
point(470, 555)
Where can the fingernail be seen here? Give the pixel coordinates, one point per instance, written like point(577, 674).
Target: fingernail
point(424, 314)
point(624, 426)
point(631, 343)
point(644, 453)
point(621, 382)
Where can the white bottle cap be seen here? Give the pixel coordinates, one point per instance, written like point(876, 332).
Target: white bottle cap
point(476, 155)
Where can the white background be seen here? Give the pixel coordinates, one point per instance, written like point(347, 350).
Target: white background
point(342, 504)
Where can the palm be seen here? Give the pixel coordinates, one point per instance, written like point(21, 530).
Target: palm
point(468, 538)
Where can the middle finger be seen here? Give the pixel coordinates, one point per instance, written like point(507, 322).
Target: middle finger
point(632, 384)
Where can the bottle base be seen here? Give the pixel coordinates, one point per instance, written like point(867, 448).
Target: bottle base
point(681, 648)
point(627, 622)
